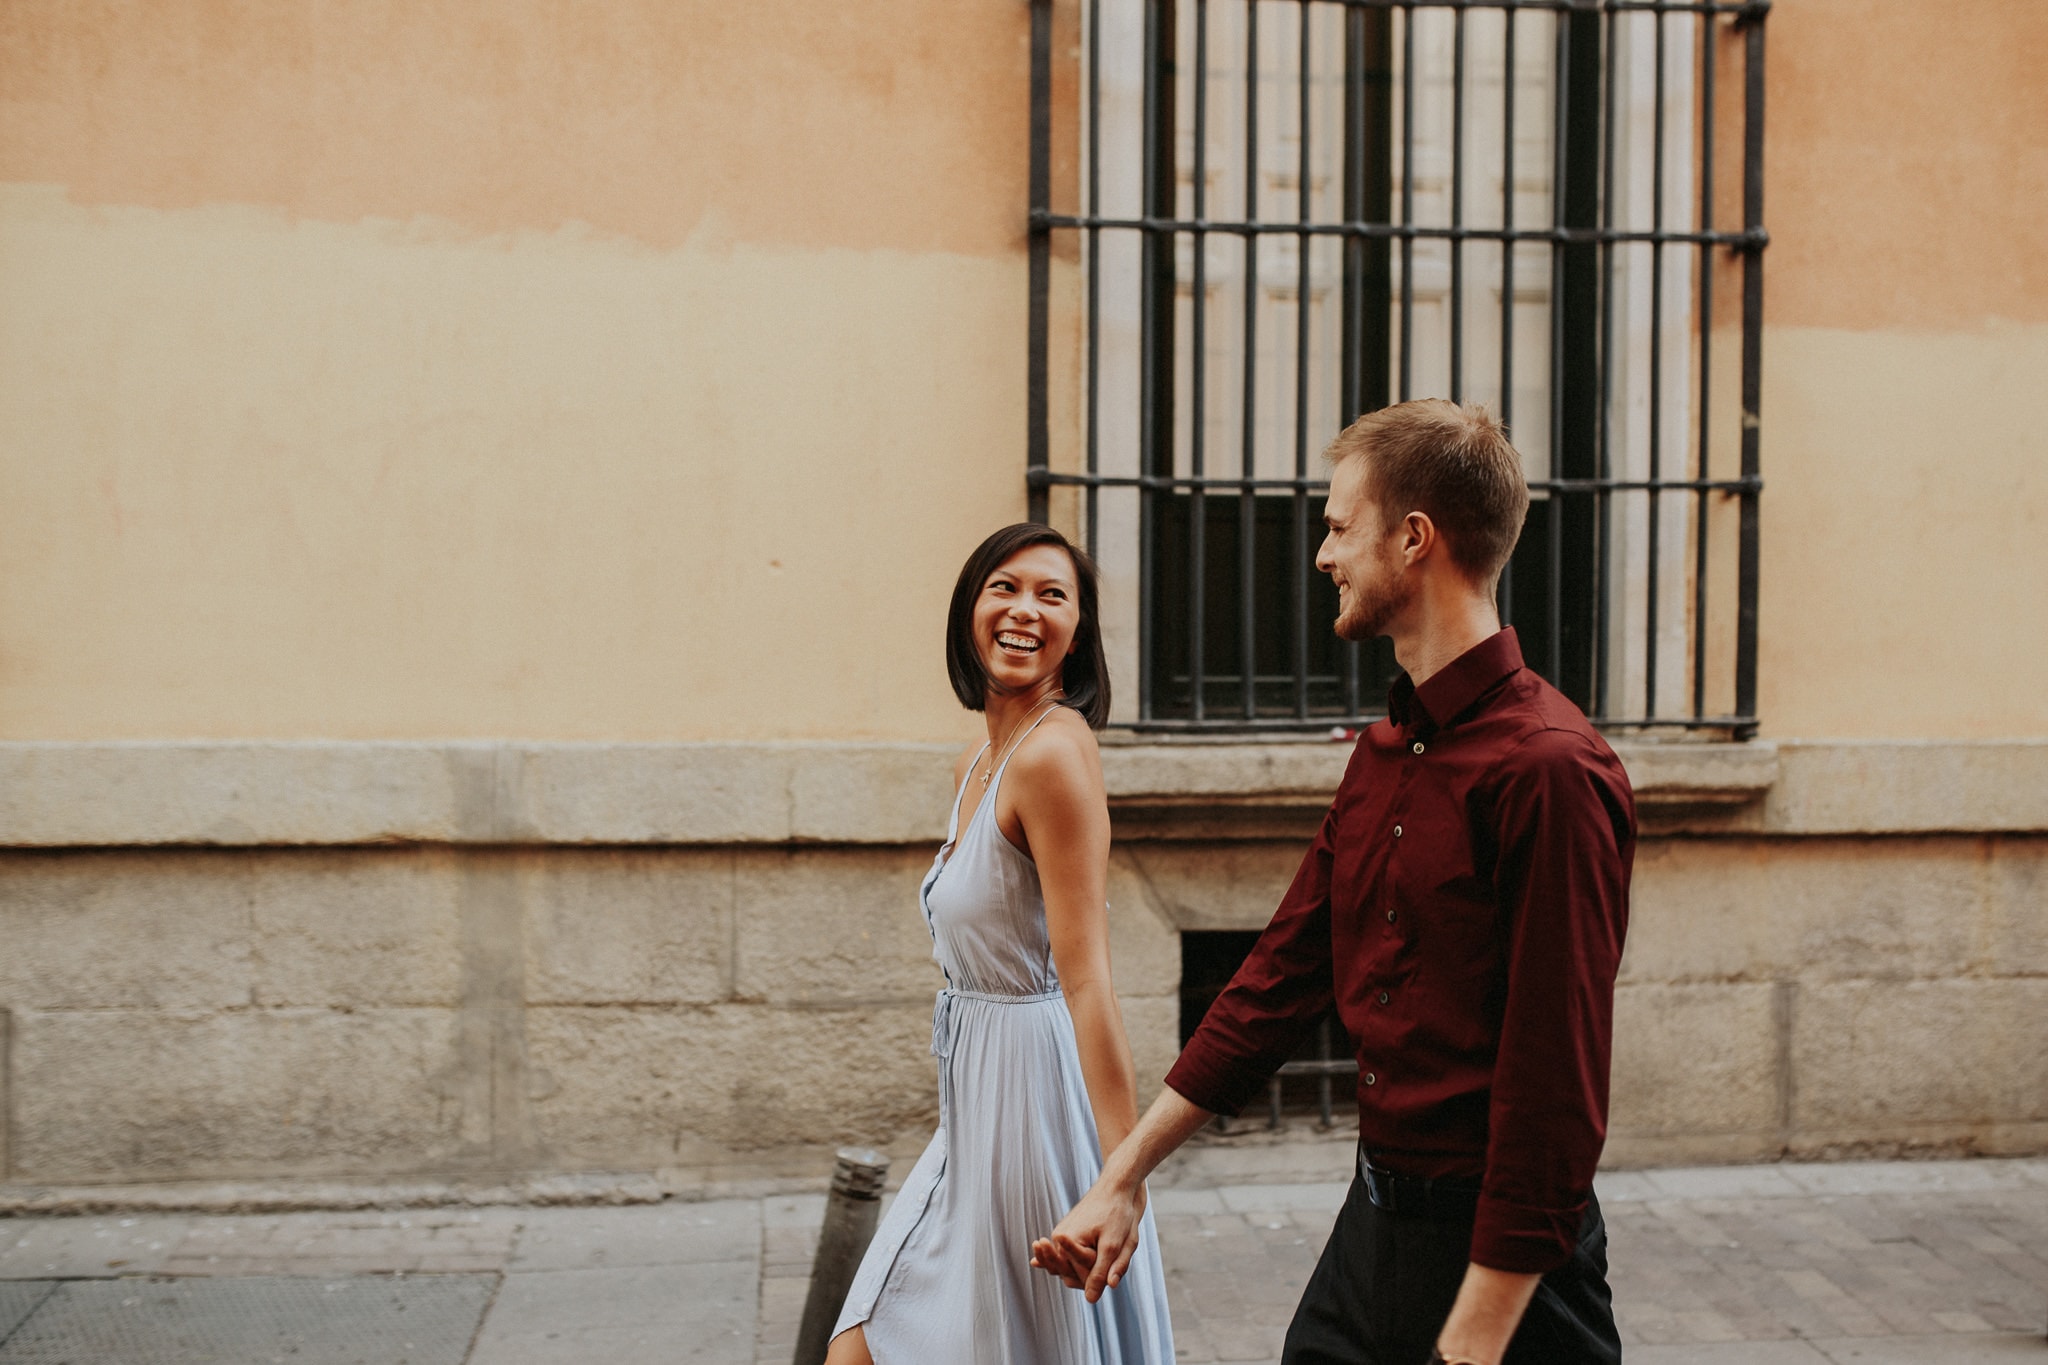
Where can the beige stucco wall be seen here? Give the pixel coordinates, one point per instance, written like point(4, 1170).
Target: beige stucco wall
point(1905, 533)
point(641, 371)
point(635, 370)
point(551, 484)
point(627, 370)
point(1906, 334)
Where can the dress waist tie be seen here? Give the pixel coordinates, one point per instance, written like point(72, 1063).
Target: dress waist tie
point(942, 1032)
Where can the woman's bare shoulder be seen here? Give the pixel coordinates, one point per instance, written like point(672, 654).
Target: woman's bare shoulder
point(1060, 756)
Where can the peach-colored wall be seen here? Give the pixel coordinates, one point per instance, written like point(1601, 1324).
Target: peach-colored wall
point(895, 123)
point(643, 368)
point(1905, 512)
point(635, 369)
point(1907, 164)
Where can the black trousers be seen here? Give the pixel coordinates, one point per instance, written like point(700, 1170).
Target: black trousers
point(1386, 1281)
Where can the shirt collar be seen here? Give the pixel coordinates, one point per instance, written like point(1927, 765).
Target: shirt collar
point(1452, 689)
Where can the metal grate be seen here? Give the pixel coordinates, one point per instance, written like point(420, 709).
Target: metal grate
point(359, 1320)
point(1327, 1063)
point(1285, 213)
point(1306, 1083)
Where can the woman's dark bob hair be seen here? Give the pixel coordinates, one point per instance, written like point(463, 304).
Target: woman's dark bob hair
point(1085, 674)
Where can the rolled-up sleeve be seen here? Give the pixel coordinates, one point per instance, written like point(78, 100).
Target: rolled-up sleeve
point(1566, 831)
point(1283, 987)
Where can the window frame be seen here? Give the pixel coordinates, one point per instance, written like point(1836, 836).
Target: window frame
point(1586, 482)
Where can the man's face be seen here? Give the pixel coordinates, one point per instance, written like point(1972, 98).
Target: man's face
point(1359, 555)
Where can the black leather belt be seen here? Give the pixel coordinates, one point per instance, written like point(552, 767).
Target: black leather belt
point(1444, 1198)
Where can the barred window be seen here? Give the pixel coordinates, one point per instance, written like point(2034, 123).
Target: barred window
point(1285, 213)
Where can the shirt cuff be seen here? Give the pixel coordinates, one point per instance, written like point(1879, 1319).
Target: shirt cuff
point(1523, 1239)
point(1210, 1081)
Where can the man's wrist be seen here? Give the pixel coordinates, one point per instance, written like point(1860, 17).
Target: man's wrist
point(1484, 1317)
point(1437, 1357)
point(1123, 1179)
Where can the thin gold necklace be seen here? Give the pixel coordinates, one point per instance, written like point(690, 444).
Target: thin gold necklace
point(1035, 710)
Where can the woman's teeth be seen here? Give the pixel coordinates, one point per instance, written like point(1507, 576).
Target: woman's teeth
point(1022, 643)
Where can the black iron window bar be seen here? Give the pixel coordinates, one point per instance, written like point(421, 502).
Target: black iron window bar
point(1563, 569)
point(1307, 1082)
point(1330, 1063)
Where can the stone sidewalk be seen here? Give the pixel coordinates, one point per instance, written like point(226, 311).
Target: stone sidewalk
point(1874, 1263)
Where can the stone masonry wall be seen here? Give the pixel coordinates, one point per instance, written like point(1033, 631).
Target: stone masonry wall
point(1833, 997)
point(394, 962)
point(224, 1014)
point(1805, 997)
point(252, 1014)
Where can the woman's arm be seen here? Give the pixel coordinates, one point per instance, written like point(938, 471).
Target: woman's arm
point(1054, 788)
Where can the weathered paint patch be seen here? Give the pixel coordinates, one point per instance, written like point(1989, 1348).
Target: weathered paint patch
point(1906, 172)
point(892, 123)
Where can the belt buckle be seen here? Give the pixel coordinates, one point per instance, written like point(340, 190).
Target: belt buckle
point(1384, 1190)
point(1413, 1195)
point(1379, 1184)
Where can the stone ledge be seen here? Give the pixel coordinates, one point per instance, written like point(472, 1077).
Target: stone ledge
point(1908, 787)
point(362, 792)
point(1300, 1160)
point(241, 794)
point(1693, 776)
point(294, 1196)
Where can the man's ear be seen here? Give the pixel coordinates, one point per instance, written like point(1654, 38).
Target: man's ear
point(1418, 537)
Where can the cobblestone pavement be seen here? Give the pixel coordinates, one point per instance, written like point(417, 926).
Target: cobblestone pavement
point(1878, 1264)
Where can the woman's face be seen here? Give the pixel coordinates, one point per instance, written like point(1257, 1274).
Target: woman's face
point(1025, 619)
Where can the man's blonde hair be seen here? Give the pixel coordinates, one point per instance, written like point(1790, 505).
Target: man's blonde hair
point(1451, 462)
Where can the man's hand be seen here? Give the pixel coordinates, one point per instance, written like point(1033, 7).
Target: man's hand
point(1092, 1247)
point(1489, 1307)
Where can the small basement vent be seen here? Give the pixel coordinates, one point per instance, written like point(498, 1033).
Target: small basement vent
point(1319, 1080)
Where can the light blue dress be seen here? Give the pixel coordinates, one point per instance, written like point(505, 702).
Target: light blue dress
point(948, 1279)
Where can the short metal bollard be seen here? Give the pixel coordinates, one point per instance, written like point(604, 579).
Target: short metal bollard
point(850, 1215)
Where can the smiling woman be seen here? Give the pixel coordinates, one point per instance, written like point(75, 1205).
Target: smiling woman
point(1027, 578)
point(1036, 1084)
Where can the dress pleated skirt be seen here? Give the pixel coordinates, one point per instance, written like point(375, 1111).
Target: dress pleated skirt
point(948, 1279)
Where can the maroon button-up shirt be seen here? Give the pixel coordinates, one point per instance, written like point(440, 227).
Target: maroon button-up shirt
point(1464, 905)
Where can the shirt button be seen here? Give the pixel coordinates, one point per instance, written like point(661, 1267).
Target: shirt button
point(1397, 831)
point(1418, 746)
point(1383, 997)
point(1390, 917)
point(1371, 1079)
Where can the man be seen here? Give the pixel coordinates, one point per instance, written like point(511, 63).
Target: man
point(1463, 906)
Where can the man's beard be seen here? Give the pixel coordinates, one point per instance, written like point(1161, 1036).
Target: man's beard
point(1370, 608)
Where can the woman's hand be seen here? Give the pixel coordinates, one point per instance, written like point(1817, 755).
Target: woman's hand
point(1092, 1247)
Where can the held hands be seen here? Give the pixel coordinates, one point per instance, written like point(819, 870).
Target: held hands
point(1092, 1247)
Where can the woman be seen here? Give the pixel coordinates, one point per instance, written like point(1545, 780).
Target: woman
point(1035, 1077)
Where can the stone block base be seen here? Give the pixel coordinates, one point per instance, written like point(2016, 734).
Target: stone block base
point(488, 1013)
